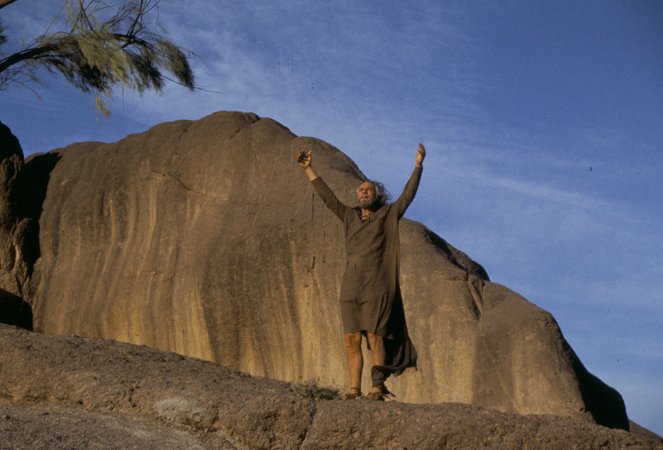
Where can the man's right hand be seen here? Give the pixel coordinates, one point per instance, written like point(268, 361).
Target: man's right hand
point(305, 159)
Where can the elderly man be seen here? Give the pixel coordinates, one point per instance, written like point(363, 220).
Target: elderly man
point(371, 303)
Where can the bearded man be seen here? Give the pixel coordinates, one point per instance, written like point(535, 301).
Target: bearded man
point(371, 302)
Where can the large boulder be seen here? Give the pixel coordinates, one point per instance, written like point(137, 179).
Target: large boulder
point(204, 238)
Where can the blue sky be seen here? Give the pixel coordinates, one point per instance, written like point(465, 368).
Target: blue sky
point(543, 122)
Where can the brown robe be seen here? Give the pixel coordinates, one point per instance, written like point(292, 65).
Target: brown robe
point(371, 299)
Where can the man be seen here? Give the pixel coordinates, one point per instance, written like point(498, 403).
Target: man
point(371, 303)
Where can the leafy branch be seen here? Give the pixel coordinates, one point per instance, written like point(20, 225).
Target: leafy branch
point(103, 48)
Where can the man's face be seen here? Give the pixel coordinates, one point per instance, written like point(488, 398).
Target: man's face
point(366, 194)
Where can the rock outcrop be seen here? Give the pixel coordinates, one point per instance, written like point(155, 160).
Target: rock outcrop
point(69, 392)
point(204, 238)
point(17, 235)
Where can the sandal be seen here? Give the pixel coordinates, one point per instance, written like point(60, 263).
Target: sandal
point(376, 396)
point(355, 392)
point(382, 395)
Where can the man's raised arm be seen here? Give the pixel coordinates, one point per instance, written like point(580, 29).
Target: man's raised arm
point(413, 183)
point(305, 160)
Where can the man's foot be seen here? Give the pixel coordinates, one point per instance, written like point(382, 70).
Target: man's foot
point(380, 393)
point(354, 393)
point(376, 396)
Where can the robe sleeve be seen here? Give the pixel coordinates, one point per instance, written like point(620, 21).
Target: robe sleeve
point(409, 192)
point(330, 199)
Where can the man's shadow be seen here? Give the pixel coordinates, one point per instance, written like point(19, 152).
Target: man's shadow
point(29, 196)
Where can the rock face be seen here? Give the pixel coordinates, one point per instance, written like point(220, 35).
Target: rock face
point(69, 392)
point(204, 238)
point(17, 234)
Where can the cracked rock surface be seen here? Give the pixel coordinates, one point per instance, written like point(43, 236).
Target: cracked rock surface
point(79, 393)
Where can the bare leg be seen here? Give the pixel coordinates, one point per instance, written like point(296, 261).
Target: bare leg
point(378, 354)
point(355, 359)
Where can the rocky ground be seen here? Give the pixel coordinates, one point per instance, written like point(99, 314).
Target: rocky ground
point(70, 392)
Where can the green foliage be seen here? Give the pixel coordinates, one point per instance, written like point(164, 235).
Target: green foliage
point(103, 48)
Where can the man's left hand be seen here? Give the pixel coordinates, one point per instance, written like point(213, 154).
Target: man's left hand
point(421, 154)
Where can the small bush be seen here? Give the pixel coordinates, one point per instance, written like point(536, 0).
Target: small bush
point(312, 389)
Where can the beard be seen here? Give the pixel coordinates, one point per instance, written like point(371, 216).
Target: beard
point(367, 203)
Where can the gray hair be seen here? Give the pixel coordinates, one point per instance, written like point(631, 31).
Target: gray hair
point(381, 194)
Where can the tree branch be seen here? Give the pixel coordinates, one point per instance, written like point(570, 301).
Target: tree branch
point(4, 3)
point(132, 28)
point(23, 55)
point(95, 55)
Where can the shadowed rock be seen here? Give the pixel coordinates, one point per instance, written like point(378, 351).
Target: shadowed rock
point(17, 233)
point(204, 238)
point(14, 310)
